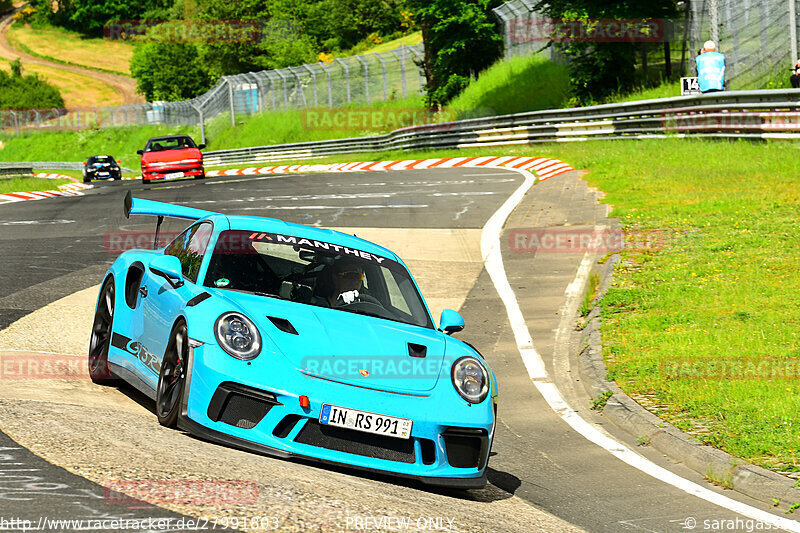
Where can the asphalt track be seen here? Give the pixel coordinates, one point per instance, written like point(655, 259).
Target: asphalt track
point(55, 247)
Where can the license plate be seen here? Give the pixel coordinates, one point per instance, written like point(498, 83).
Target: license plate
point(343, 417)
point(174, 175)
point(102, 173)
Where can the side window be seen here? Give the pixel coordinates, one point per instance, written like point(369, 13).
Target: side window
point(189, 247)
point(395, 293)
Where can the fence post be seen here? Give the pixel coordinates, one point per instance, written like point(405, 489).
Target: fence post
point(313, 82)
point(401, 56)
point(418, 56)
point(793, 31)
point(58, 115)
point(713, 15)
point(383, 70)
point(38, 122)
point(346, 76)
point(202, 123)
point(230, 99)
point(366, 76)
point(299, 86)
point(330, 90)
point(16, 122)
point(285, 89)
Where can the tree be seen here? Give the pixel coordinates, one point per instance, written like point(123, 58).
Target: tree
point(169, 71)
point(598, 69)
point(26, 92)
point(461, 39)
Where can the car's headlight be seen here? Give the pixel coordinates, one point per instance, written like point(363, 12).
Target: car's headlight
point(238, 336)
point(470, 379)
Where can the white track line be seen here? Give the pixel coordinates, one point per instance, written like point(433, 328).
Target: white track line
point(493, 259)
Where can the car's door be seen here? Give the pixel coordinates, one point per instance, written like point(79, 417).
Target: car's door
point(163, 303)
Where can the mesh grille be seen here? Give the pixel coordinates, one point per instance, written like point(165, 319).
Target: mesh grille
point(243, 412)
point(357, 442)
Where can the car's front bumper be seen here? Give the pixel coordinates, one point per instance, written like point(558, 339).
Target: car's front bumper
point(167, 172)
point(449, 444)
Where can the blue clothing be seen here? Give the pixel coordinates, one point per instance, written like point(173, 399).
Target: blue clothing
point(710, 71)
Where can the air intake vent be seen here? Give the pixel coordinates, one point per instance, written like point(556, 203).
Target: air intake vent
point(417, 350)
point(356, 442)
point(283, 324)
point(240, 406)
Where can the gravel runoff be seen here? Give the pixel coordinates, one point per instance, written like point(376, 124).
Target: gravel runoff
point(122, 441)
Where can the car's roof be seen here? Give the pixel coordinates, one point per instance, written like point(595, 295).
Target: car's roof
point(272, 225)
point(100, 155)
point(167, 137)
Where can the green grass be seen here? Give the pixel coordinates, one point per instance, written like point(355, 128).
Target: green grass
point(407, 40)
point(29, 184)
point(516, 85)
point(121, 142)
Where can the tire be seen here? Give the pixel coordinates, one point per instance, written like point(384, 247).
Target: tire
point(87, 179)
point(100, 341)
point(172, 378)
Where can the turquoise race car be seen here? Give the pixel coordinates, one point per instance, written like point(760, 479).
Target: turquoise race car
point(295, 341)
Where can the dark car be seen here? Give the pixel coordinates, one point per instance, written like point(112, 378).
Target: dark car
point(172, 157)
point(101, 167)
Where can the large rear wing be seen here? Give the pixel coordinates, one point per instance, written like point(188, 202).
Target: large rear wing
point(140, 206)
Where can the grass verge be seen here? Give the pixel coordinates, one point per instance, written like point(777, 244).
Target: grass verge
point(76, 89)
point(29, 184)
point(70, 48)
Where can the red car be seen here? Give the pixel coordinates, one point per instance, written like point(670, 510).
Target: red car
point(172, 157)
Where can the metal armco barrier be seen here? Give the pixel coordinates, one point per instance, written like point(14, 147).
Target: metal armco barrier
point(770, 114)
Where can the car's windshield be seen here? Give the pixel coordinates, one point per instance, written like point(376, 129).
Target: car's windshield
point(170, 143)
point(315, 273)
point(101, 159)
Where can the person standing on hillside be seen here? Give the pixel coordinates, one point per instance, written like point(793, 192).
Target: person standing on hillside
point(710, 68)
point(795, 77)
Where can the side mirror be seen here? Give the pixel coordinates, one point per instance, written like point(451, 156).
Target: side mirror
point(169, 268)
point(140, 152)
point(451, 322)
point(201, 146)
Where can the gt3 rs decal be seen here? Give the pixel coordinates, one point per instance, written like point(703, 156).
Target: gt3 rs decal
point(137, 349)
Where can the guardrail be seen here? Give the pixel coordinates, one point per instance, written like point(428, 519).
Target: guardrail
point(768, 114)
point(51, 165)
point(25, 171)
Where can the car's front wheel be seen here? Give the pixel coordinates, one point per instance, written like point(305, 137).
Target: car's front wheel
point(172, 378)
point(100, 341)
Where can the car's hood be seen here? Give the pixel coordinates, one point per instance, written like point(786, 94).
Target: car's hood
point(347, 347)
point(172, 156)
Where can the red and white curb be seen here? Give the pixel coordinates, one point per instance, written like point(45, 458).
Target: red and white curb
point(68, 189)
point(544, 168)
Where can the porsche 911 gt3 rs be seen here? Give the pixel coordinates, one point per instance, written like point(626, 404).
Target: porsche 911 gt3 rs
point(295, 341)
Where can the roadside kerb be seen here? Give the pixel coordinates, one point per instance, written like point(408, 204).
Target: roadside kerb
point(753, 481)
